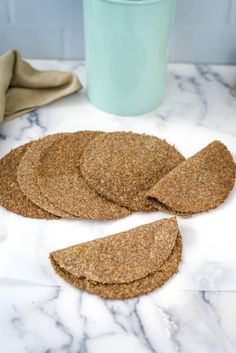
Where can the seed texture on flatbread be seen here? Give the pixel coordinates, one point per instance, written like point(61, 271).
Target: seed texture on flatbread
point(123, 166)
point(11, 195)
point(61, 183)
point(126, 290)
point(27, 175)
point(123, 265)
point(198, 184)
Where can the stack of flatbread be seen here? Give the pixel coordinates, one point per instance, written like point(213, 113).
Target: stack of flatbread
point(51, 178)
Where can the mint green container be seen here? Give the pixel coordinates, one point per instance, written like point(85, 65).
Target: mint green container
point(127, 44)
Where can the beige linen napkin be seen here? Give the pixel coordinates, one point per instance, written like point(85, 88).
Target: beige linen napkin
point(23, 88)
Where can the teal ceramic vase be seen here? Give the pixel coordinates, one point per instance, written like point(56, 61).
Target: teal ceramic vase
point(127, 44)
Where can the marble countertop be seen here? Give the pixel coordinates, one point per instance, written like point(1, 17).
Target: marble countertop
point(196, 310)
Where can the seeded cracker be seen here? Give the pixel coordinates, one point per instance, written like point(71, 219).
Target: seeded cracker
point(131, 263)
point(11, 196)
point(27, 175)
point(123, 166)
point(198, 184)
point(61, 183)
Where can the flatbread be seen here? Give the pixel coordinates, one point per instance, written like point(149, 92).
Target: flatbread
point(123, 166)
point(127, 290)
point(61, 183)
point(125, 264)
point(198, 184)
point(11, 196)
point(27, 175)
point(123, 257)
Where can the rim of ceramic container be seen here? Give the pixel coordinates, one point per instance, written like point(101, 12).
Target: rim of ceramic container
point(134, 2)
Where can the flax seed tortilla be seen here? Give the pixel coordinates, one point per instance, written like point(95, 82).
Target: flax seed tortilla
point(11, 196)
point(126, 290)
point(123, 265)
point(61, 183)
point(27, 175)
point(123, 257)
point(198, 184)
point(123, 166)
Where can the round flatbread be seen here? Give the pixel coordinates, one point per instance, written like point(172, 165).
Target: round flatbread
point(123, 166)
point(123, 257)
point(11, 195)
point(198, 184)
point(27, 175)
point(123, 265)
point(61, 183)
point(126, 290)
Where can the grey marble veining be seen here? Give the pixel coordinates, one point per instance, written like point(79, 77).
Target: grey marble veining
point(194, 311)
point(42, 319)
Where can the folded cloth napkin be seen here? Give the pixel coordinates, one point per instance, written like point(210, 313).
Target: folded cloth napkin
point(23, 88)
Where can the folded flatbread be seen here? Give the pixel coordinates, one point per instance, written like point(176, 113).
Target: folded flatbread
point(198, 184)
point(123, 265)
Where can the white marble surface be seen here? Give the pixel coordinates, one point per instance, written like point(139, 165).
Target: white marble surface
point(196, 310)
